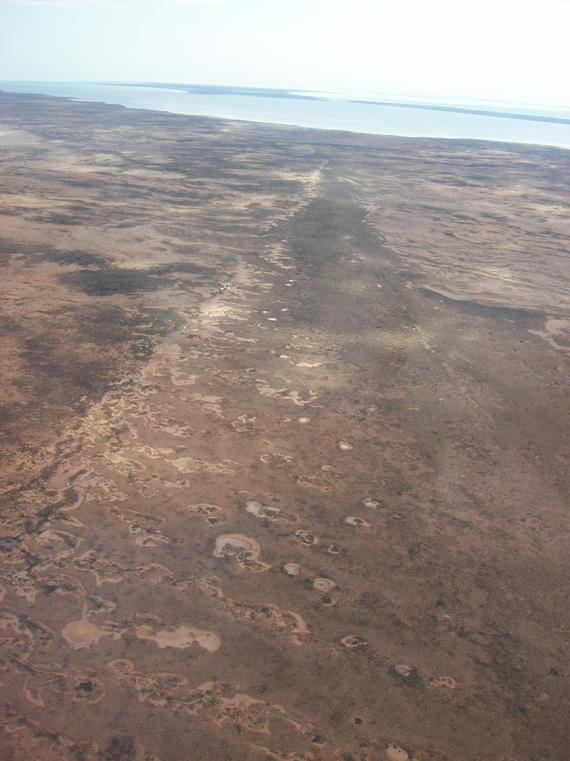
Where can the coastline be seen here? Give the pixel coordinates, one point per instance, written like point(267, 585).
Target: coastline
point(410, 128)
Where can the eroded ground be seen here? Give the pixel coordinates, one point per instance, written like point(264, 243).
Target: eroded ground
point(285, 443)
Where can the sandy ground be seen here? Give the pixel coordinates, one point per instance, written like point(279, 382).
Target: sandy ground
point(285, 438)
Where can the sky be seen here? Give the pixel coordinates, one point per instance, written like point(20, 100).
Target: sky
point(467, 50)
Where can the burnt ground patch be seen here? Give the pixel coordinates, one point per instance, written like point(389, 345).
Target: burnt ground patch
point(158, 322)
point(79, 258)
point(477, 308)
point(135, 329)
point(110, 281)
point(75, 370)
point(8, 325)
point(98, 339)
point(107, 324)
point(117, 280)
point(33, 253)
point(71, 361)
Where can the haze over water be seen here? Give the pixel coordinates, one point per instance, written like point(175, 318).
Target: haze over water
point(413, 119)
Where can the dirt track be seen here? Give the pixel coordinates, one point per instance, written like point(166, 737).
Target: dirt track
point(285, 442)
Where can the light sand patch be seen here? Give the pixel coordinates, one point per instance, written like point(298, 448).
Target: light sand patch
point(105, 571)
point(352, 642)
point(256, 614)
point(154, 453)
point(276, 459)
point(155, 573)
point(124, 465)
point(353, 520)
point(191, 465)
point(121, 667)
point(207, 403)
point(244, 423)
point(262, 511)
point(306, 537)
point(234, 544)
point(556, 333)
point(60, 543)
point(23, 200)
point(395, 753)
point(313, 482)
point(216, 310)
point(143, 526)
point(82, 633)
point(212, 513)
point(246, 551)
point(301, 399)
point(447, 682)
point(181, 637)
point(180, 377)
point(25, 585)
point(324, 585)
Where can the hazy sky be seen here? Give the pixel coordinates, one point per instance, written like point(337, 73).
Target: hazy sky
point(513, 50)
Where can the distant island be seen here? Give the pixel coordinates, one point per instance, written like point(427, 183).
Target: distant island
point(262, 92)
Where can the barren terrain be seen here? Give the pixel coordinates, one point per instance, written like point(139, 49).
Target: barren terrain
point(285, 442)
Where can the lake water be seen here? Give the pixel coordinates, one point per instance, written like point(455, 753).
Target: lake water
point(280, 107)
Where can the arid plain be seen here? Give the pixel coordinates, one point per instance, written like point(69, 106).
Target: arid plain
point(285, 442)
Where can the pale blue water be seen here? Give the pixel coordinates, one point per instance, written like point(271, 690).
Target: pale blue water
point(279, 107)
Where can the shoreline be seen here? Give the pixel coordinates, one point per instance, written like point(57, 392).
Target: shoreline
point(284, 125)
